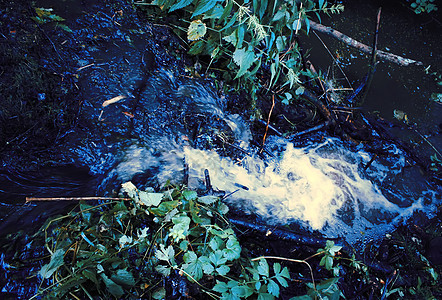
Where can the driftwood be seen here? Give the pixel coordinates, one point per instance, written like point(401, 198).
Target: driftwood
point(402, 61)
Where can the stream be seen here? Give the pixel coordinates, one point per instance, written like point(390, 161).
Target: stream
point(166, 119)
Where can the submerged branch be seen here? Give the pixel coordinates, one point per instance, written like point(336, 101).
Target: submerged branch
point(402, 61)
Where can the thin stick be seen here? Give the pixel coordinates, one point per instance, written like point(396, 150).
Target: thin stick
point(373, 59)
point(268, 120)
point(29, 199)
point(402, 61)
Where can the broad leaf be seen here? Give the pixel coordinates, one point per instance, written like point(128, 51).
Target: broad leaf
point(150, 199)
point(203, 6)
point(113, 288)
point(180, 4)
point(56, 262)
point(244, 59)
point(196, 30)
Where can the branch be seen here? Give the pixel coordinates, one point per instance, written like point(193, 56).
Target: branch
point(402, 61)
point(29, 199)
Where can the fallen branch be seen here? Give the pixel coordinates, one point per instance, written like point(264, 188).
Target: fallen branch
point(402, 61)
point(30, 199)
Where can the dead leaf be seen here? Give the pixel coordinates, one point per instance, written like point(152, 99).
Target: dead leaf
point(113, 100)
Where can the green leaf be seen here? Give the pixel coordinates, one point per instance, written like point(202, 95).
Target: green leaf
point(150, 199)
point(180, 4)
point(203, 6)
point(181, 228)
point(164, 208)
point(328, 262)
point(190, 195)
point(227, 11)
point(166, 254)
point(113, 288)
point(265, 296)
point(223, 270)
point(197, 29)
point(56, 262)
point(193, 265)
point(197, 48)
point(244, 59)
point(207, 266)
point(233, 249)
point(232, 38)
point(64, 27)
point(273, 288)
point(159, 293)
point(209, 199)
point(220, 287)
point(123, 277)
point(217, 258)
point(163, 270)
point(263, 268)
point(91, 275)
point(130, 189)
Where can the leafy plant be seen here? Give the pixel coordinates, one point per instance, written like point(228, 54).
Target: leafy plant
point(420, 6)
point(125, 248)
point(46, 15)
point(246, 37)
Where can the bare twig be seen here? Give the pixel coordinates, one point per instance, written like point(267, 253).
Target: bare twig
point(29, 199)
point(268, 120)
point(373, 59)
point(402, 61)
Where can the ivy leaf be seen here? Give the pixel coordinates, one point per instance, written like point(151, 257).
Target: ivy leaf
point(150, 199)
point(56, 262)
point(244, 59)
point(215, 243)
point(209, 199)
point(190, 195)
point(164, 208)
point(179, 5)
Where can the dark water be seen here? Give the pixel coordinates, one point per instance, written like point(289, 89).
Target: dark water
point(394, 87)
